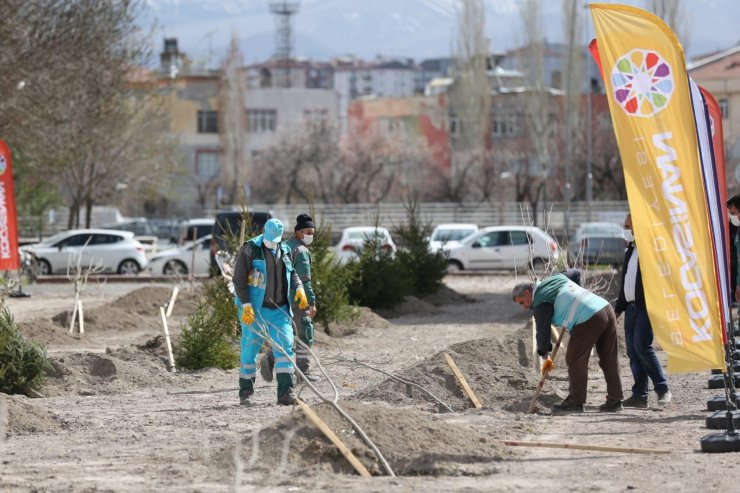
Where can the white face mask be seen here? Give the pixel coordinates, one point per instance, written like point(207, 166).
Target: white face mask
point(269, 244)
point(307, 239)
point(735, 220)
point(628, 235)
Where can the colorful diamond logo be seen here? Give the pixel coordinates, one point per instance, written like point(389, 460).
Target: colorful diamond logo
point(642, 82)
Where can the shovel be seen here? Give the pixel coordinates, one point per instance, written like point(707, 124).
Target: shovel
point(544, 377)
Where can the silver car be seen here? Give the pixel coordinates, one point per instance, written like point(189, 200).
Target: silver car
point(112, 250)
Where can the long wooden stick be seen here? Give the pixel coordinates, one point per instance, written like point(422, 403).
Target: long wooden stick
point(163, 316)
point(532, 404)
point(328, 433)
point(171, 304)
point(81, 316)
point(575, 446)
point(463, 383)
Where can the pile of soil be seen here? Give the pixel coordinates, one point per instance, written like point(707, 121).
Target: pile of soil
point(118, 371)
point(106, 318)
point(147, 300)
point(411, 305)
point(47, 332)
point(24, 418)
point(412, 443)
point(500, 374)
point(363, 318)
point(447, 296)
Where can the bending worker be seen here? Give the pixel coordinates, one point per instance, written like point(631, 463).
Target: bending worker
point(263, 278)
point(590, 320)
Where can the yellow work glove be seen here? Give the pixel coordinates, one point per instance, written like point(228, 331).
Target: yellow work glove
point(547, 366)
point(247, 314)
point(300, 297)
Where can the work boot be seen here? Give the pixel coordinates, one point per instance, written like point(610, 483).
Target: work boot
point(245, 398)
point(267, 363)
point(288, 399)
point(664, 398)
point(611, 406)
point(568, 406)
point(635, 402)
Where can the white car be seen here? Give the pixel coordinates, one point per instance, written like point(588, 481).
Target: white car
point(505, 247)
point(113, 250)
point(449, 236)
point(354, 238)
point(176, 261)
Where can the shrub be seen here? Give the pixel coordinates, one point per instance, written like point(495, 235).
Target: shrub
point(378, 280)
point(208, 339)
point(423, 268)
point(23, 363)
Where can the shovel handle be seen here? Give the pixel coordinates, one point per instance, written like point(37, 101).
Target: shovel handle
point(544, 377)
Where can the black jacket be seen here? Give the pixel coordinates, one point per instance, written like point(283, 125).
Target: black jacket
point(621, 304)
point(733, 260)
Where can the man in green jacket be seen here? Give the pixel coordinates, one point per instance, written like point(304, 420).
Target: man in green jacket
point(591, 321)
point(302, 318)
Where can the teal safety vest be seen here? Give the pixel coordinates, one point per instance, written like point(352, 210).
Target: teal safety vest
point(572, 304)
point(257, 276)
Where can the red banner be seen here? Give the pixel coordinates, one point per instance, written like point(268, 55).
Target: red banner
point(8, 228)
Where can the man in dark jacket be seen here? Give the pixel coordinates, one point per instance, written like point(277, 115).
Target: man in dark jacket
point(733, 207)
point(638, 333)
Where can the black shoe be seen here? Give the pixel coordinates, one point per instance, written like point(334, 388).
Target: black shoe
point(568, 406)
point(635, 402)
point(664, 398)
point(611, 406)
point(288, 399)
point(245, 398)
point(267, 362)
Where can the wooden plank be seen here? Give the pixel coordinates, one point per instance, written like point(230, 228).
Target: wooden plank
point(575, 446)
point(462, 381)
point(328, 433)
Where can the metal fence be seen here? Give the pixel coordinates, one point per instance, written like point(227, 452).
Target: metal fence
point(551, 216)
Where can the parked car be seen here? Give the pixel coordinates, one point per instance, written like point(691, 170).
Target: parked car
point(227, 226)
point(114, 250)
point(352, 240)
point(201, 227)
point(597, 243)
point(449, 236)
point(177, 261)
point(505, 247)
point(143, 231)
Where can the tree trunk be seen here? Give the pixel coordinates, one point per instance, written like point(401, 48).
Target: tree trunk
point(88, 211)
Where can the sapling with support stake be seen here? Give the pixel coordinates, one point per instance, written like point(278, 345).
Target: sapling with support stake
point(80, 277)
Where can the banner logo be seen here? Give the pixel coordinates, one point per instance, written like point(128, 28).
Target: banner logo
point(642, 83)
point(3, 164)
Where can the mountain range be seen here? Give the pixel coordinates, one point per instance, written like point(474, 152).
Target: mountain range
point(405, 28)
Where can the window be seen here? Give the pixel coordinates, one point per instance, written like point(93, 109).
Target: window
point(519, 238)
point(74, 241)
point(489, 240)
point(105, 239)
point(207, 164)
point(207, 122)
point(506, 125)
point(261, 120)
point(724, 107)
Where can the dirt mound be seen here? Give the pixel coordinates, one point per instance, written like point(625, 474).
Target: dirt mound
point(500, 374)
point(107, 318)
point(447, 296)
point(117, 371)
point(363, 318)
point(411, 306)
point(47, 332)
point(25, 418)
point(147, 300)
point(412, 443)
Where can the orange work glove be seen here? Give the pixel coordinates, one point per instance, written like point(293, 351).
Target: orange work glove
point(247, 314)
point(547, 366)
point(300, 297)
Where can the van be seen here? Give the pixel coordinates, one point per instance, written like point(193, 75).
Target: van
point(227, 227)
point(199, 227)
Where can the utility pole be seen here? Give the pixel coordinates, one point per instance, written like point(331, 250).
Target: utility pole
point(283, 11)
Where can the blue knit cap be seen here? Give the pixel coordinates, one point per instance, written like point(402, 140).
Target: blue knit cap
point(273, 230)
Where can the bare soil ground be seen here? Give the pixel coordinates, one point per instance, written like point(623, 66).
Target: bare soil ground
point(115, 419)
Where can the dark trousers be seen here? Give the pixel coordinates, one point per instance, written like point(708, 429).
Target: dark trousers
point(601, 331)
point(638, 334)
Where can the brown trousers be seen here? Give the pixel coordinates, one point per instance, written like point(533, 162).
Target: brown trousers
point(601, 331)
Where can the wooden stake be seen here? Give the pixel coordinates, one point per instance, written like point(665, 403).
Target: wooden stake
point(463, 382)
point(575, 446)
point(171, 304)
point(328, 433)
point(82, 316)
point(242, 232)
point(535, 356)
point(192, 261)
point(167, 339)
point(74, 313)
point(532, 404)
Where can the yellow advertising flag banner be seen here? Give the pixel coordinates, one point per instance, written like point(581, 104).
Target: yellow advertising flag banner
point(648, 91)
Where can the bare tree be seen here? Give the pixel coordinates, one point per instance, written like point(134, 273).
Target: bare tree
point(232, 125)
point(469, 103)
